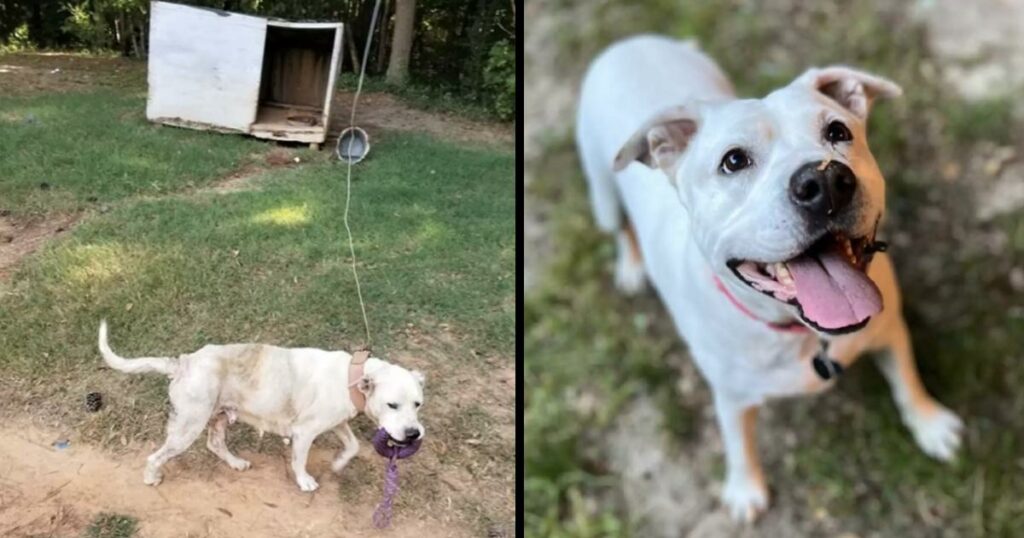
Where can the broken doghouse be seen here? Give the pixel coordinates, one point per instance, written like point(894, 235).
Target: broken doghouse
point(216, 70)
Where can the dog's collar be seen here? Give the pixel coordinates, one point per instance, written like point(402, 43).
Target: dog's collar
point(355, 374)
point(825, 367)
point(791, 327)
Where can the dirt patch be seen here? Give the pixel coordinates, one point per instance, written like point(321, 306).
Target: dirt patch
point(379, 111)
point(19, 239)
point(245, 177)
point(27, 74)
point(57, 492)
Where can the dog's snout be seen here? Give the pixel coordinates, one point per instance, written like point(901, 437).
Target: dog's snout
point(411, 434)
point(823, 191)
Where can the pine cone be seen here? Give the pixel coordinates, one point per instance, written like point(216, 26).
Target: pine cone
point(93, 402)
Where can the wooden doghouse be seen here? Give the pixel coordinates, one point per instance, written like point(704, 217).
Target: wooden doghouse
point(215, 70)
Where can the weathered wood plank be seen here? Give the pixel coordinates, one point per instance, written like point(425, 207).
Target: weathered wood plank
point(204, 65)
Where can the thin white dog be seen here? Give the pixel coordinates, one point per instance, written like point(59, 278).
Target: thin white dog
point(756, 220)
point(297, 393)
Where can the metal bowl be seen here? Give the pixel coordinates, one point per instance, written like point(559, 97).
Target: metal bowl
point(353, 145)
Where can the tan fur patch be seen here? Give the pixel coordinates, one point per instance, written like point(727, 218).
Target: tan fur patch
point(634, 246)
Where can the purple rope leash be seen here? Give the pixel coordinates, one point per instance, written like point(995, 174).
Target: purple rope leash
point(386, 447)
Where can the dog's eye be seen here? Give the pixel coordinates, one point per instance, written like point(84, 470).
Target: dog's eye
point(393, 405)
point(734, 161)
point(418, 404)
point(837, 132)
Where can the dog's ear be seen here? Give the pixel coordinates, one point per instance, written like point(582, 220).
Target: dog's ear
point(365, 385)
point(851, 88)
point(660, 141)
point(419, 377)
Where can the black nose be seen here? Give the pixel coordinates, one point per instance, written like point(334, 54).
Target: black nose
point(411, 434)
point(823, 192)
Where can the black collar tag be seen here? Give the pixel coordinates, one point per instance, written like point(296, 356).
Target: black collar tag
point(825, 367)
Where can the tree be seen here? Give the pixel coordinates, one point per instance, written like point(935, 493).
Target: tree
point(401, 41)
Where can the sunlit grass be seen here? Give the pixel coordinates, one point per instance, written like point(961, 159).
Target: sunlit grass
point(284, 216)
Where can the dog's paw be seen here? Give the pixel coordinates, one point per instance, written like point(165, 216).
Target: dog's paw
point(937, 432)
point(745, 498)
point(306, 483)
point(152, 477)
point(629, 275)
point(239, 464)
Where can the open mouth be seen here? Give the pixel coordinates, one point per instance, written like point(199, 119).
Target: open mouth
point(827, 282)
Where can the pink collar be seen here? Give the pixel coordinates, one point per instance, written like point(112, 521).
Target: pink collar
point(791, 327)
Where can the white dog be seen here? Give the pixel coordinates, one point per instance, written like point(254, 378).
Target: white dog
point(298, 393)
point(756, 220)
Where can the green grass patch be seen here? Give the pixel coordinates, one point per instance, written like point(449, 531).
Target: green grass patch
point(433, 235)
point(112, 526)
point(66, 152)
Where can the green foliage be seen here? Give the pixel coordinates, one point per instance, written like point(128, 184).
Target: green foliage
point(87, 27)
point(500, 79)
point(18, 40)
point(112, 526)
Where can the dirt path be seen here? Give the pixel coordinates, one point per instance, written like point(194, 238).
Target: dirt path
point(19, 239)
point(382, 111)
point(46, 491)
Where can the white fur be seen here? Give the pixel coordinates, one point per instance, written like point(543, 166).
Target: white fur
point(298, 393)
point(690, 219)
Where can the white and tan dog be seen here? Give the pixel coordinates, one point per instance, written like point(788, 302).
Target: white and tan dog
point(297, 393)
point(756, 220)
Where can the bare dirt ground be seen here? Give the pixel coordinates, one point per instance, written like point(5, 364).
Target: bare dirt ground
point(28, 74)
point(51, 492)
point(382, 111)
point(19, 239)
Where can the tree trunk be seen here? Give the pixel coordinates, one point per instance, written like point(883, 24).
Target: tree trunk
point(382, 36)
point(401, 42)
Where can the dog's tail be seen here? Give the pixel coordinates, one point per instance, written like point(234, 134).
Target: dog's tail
point(163, 365)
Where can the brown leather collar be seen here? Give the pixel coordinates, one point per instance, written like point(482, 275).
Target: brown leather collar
point(355, 375)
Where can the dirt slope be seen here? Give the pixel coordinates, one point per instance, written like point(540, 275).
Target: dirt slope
point(50, 492)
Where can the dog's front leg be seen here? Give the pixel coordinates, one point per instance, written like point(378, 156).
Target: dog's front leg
point(301, 442)
point(350, 447)
point(744, 493)
point(935, 428)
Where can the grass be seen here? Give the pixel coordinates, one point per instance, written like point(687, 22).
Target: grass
point(435, 245)
point(112, 526)
point(51, 161)
point(173, 266)
point(854, 458)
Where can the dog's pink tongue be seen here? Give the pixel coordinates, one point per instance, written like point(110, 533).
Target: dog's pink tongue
point(832, 292)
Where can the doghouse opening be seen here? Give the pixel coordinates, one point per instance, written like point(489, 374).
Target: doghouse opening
point(296, 72)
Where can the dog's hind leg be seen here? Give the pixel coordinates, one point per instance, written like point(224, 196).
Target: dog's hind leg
point(215, 441)
point(349, 450)
point(182, 430)
point(935, 428)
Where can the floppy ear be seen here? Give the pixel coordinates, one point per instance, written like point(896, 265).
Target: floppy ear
point(660, 141)
point(851, 88)
point(419, 377)
point(366, 385)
